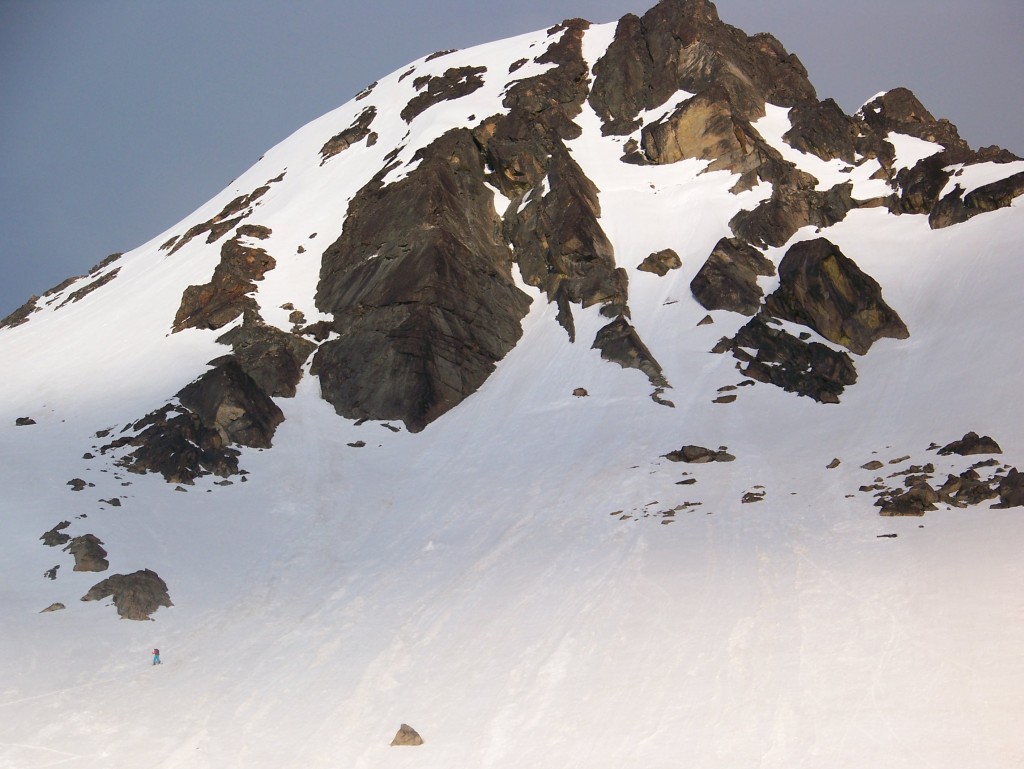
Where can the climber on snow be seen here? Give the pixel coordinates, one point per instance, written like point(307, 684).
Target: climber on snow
point(156, 656)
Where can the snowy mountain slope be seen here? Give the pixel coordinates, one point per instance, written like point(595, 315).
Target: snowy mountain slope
point(524, 580)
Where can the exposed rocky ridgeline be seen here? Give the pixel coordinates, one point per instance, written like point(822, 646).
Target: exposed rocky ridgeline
point(36, 303)
point(229, 217)
point(136, 595)
point(683, 45)
point(453, 84)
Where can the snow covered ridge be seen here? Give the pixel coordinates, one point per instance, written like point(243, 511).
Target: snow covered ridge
point(405, 490)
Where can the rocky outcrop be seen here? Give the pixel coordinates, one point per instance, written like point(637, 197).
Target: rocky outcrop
point(88, 552)
point(359, 130)
point(661, 262)
point(790, 207)
point(728, 279)
point(1011, 489)
point(824, 130)
point(223, 408)
point(453, 84)
point(136, 595)
point(692, 454)
point(823, 289)
point(217, 303)
point(619, 342)
point(229, 217)
point(271, 357)
point(805, 368)
point(683, 45)
point(56, 535)
point(971, 444)
point(956, 208)
point(421, 291)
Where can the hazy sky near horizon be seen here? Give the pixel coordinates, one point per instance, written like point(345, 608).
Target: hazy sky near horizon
point(120, 117)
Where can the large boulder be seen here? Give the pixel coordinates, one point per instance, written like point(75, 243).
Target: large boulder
point(822, 288)
point(728, 279)
point(136, 595)
point(971, 444)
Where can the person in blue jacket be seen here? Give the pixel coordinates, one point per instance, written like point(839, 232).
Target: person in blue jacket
point(156, 656)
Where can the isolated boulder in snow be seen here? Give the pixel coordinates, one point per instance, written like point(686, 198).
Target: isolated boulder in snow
point(697, 455)
point(406, 735)
point(619, 342)
point(971, 444)
point(660, 262)
point(822, 288)
point(53, 607)
point(728, 279)
point(136, 595)
point(88, 552)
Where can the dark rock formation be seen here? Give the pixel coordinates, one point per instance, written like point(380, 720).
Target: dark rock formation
point(920, 499)
point(231, 215)
point(968, 488)
point(970, 444)
point(699, 455)
point(77, 484)
point(728, 279)
point(453, 84)
point(421, 291)
point(619, 342)
point(1011, 489)
point(561, 247)
point(822, 288)
point(217, 303)
point(87, 289)
point(24, 421)
point(271, 357)
point(660, 262)
point(956, 207)
point(356, 132)
point(683, 45)
point(55, 536)
point(136, 595)
point(806, 368)
point(774, 221)
point(223, 407)
point(407, 736)
point(823, 129)
point(88, 552)
point(229, 401)
point(53, 607)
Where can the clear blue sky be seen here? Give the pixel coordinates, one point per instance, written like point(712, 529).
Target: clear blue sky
point(119, 117)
